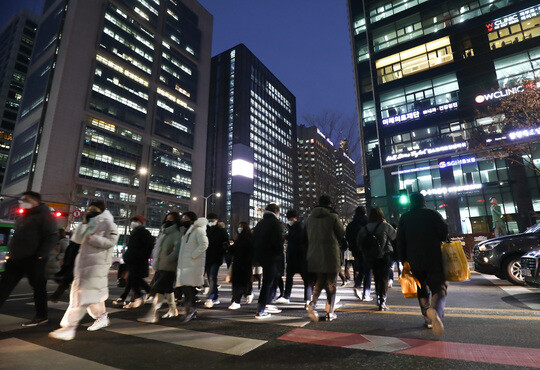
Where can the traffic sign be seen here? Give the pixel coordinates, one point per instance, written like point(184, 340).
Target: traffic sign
point(77, 213)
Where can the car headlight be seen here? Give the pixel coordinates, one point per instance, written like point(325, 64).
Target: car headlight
point(488, 246)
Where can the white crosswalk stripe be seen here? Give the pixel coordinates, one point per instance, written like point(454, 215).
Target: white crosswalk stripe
point(64, 305)
point(381, 344)
point(19, 354)
point(276, 319)
point(9, 323)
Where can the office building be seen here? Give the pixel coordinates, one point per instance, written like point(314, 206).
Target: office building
point(16, 44)
point(425, 71)
point(115, 107)
point(346, 199)
point(251, 138)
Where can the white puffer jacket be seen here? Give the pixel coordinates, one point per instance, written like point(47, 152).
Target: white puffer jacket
point(192, 255)
point(91, 283)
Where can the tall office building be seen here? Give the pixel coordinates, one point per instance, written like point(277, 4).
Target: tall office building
point(425, 71)
point(251, 138)
point(115, 107)
point(16, 44)
point(346, 199)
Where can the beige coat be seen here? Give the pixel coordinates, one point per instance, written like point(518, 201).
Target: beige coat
point(192, 255)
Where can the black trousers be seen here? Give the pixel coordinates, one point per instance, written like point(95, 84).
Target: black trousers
point(269, 282)
point(380, 269)
point(34, 269)
point(189, 292)
point(136, 282)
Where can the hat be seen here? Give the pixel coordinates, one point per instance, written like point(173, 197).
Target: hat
point(139, 218)
point(491, 198)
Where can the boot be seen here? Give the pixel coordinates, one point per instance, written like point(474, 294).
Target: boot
point(152, 316)
point(173, 312)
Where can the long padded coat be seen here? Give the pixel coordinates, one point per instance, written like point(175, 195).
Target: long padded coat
point(192, 255)
point(91, 272)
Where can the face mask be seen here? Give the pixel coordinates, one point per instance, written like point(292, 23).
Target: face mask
point(186, 224)
point(90, 215)
point(213, 223)
point(167, 224)
point(25, 205)
point(240, 230)
point(135, 224)
point(290, 223)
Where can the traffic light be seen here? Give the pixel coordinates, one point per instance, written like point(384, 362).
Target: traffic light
point(21, 211)
point(403, 200)
point(59, 214)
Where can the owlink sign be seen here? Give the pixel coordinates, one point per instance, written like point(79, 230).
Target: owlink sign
point(499, 94)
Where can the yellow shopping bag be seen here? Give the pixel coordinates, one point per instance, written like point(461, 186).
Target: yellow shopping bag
point(455, 263)
point(409, 282)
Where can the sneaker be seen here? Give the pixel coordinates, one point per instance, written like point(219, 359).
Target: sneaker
point(262, 315)
point(100, 323)
point(189, 316)
point(312, 313)
point(138, 302)
point(119, 302)
point(249, 299)
point(367, 298)
point(216, 301)
point(383, 307)
point(63, 334)
point(36, 321)
point(234, 306)
point(209, 303)
point(170, 313)
point(148, 299)
point(283, 300)
point(307, 305)
point(438, 327)
point(270, 308)
point(358, 293)
point(331, 316)
point(390, 283)
point(206, 290)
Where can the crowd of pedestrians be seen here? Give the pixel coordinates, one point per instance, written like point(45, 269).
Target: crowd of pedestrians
point(189, 252)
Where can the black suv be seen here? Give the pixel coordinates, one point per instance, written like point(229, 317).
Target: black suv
point(502, 256)
point(530, 268)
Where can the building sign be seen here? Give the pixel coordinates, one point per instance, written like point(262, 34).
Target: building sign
point(456, 162)
point(411, 116)
point(523, 134)
point(513, 18)
point(424, 152)
point(504, 93)
point(451, 190)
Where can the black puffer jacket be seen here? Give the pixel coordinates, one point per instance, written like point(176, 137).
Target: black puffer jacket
point(35, 234)
point(218, 241)
point(268, 240)
point(139, 249)
point(351, 234)
point(297, 247)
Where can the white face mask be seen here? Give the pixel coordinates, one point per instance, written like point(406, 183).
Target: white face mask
point(25, 205)
point(213, 223)
point(135, 224)
point(240, 230)
point(290, 223)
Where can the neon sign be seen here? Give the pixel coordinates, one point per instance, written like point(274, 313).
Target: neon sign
point(522, 134)
point(451, 190)
point(503, 93)
point(513, 18)
point(410, 116)
point(456, 162)
point(423, 152)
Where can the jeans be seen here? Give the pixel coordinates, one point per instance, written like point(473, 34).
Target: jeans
point(434, 284)
point(499, 230)
point(212, 274)
point(308, 288)
point(269, 281)
point(34, 269)
point(328, 282)
point(362, 275)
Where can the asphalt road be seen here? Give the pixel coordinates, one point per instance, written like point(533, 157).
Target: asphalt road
point(489, 324)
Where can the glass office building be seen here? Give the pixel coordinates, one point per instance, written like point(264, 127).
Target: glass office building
point(116, 107)
point(251, 138)
point(425, 71)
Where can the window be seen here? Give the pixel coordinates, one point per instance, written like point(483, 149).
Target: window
point(527, 27)
point(511, 70)
point(386, 8)
point(414, 60)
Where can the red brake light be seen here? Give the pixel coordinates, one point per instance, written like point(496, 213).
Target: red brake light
point(20, 211)
point(58, 214)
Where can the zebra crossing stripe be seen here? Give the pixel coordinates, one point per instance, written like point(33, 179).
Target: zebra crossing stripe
point(64, 305)
point(19, 354)
point(277, 319)
point(227, 344)
point(9, 323)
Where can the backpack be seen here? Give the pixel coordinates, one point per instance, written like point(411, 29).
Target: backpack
point(371, 247)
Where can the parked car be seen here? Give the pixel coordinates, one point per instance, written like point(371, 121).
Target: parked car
point(530, 268)
point(6, 231)
point(3, 258)
point(502, 256)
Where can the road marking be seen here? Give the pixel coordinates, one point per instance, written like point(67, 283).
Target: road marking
point(250, 318)
point(515, 356)
point(64, 305)
point(513, 310)
point(531, 294)
point(9, 323)
point(503, 317)
point(227, 344)
point(19, 354)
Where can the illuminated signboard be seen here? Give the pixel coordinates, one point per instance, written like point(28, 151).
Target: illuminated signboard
point(456, 162)
point(411, 116)
point(242, 168)
point(522, 134)
point(502, 93)
point(424, 152)
point(513, 18)
point(451, 190)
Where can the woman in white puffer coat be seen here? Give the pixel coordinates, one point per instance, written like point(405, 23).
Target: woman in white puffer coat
point(98, 235)
point(191, 259)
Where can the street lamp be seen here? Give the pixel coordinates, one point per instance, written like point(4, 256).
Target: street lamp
point(141, 171)
point(206, 201)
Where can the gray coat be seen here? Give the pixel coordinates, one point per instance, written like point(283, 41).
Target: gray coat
point(385, 234)
point(167, 244)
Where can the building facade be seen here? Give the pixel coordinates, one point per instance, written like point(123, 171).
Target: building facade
point(16, 44)
point(251, 138)
point(424, 71)
point(346, 199)
point(115, 107)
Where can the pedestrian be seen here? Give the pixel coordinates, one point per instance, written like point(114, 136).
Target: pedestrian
point(191, 260)
point(419, 236)
point(296, 258)
point(56, 255)
point(241, 276)
point(362, 269)
point(268, 249)
point(65, 276)
point(97, 235)
point(499, 228)
point(165, 257)
point(218, 242)
point(375, 242)
point(35, 235)
point(139, 249)
point(324, 231)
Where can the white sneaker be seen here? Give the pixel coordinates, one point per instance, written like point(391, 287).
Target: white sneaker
point(209, 303)
point(216, 301)
point(134, 304)
point(438, 327)
point(249, 299)
point(283, 300)
point(312, 313)
point(170, 313)
point(263, 315)
point(367, 298)
point(63, 334)
point(270, 308)
point(206, 290)
point(390, 283)
point(234, 306)
point(358, 293)
point(100, 323)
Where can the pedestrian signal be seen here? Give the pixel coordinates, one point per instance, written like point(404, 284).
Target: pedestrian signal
point(403, 200)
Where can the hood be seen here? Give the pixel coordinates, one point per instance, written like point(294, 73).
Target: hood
point(201, 222)
point(169, 229)
point(268, 213)
point(104, 216)
point(320, 212)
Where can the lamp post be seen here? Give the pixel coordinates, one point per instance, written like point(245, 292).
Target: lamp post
point(206, 201)
point(141, 171)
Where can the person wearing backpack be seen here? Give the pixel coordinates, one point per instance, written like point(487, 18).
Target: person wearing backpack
point(362, 269)
point(374, 240)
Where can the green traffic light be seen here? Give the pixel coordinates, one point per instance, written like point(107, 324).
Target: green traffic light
point(403, 200)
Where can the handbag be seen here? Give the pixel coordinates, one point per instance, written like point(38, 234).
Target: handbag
point(455, 263)
point(409, 282)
